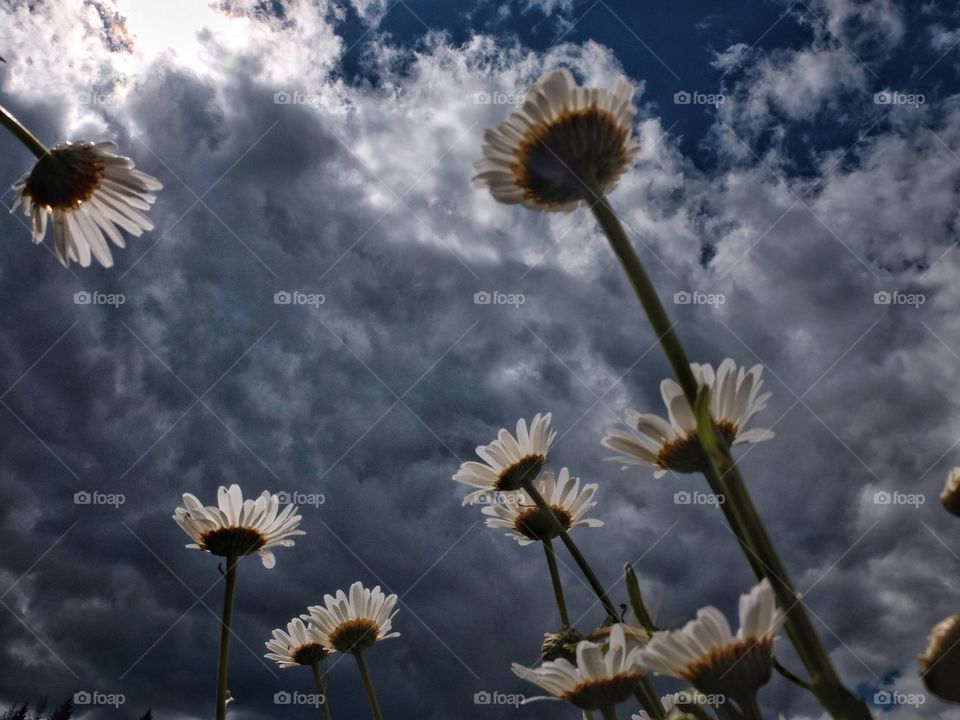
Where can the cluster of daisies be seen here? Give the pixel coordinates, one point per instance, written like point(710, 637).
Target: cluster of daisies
point(599, 671)
point(348, 623)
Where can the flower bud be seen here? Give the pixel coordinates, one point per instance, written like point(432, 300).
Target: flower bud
point(950, 497)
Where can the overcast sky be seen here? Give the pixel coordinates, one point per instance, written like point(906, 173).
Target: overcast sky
point(325, 148)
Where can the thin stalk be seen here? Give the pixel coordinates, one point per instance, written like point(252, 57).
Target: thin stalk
point(368, 686)
point(609, 713)
point(636, 599)
point(724, 479)
point(557, 587)
point(231, 579)
point(578, 557)
point(792, 677)
point(321, 689)
point(22, 134)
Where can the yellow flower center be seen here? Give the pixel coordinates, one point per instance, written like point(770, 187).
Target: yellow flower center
point(355, 635)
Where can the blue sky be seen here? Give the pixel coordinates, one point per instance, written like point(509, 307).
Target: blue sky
point(325, 148)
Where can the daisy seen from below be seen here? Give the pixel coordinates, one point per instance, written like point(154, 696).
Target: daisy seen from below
point(239, 527)
point(88, 193)
point(604, 675)
point(352, 624)
point(526, 523)
point(233, 529)
point(940, 663)
point(301, 645)
point(563, 146)
point(508, 461)
point(673, 444)
point(707, 654)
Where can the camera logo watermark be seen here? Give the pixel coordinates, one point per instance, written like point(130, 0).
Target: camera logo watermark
point(493, 498)
point(483, 697)
point(695, 697)
point(886, 697)
point(895, 297)
point(698, 98)
point(85, 297)
point(97, 98)
point(683, 497)
point(96, 697)
point(283, 697)
point(498, 98)
point(295, 297)
point(499, 298)
point(301, 499)
point(895, 97)
point(884, 497)
point(95, 497)
point(685, 297)
point(292, 97)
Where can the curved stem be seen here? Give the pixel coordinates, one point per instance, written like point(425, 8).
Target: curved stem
point(321, 689)
point(725, 480)
point(22, 134)
point(792, 677)
point(231, 579)
point(557, 587)
point(368, 686)
point(636, 599)
point(581, 561)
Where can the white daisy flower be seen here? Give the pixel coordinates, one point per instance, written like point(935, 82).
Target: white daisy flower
point(940, 664)
point(708, 655)
point(89, 192)
point(299, 645)
point(598, 680)
point(237, 526)
point(563, 142)
point(527, 523)
point(673, 445)
point(354, 623)
point(508, 460)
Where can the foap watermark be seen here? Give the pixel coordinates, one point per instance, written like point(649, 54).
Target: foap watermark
point(695, 697)
point(86, 297)
point(498, 98)
point(484, 697)
point(97, 98)
point(292, 97)
point(894, 697)
point(886, 497)
point(95, 497)
point(295, 297)
point(98, 697)
point(301, 499)
point(492, 498)
point(684, 497)
point(696, 97)
point(695, 297)
point(896, 297)
point(896, 97)
point(496, 297)
point(283, 697)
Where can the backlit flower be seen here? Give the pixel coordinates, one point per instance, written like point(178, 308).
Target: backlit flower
point(354, 623)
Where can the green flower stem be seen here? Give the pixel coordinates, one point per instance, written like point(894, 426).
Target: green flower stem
point(609, 713)
point(588, 715)
point(321, 689)
point(23, 135)
point(636, 599)
point(557, 587)
point(725, 480)
point(581, 561)
point(368, 686)
point(231, 579)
